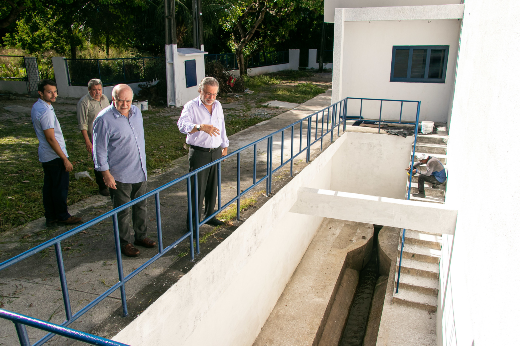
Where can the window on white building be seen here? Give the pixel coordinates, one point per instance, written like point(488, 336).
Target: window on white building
point(419, 64)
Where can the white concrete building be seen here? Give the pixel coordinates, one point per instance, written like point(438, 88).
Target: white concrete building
point(478, 297)
point(396, 50)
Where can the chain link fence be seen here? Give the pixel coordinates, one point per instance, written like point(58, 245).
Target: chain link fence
point(114, 71)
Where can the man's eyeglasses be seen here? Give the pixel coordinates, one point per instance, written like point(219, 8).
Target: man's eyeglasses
point(210, 94)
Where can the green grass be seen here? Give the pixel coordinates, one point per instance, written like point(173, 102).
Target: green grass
point(22, 179)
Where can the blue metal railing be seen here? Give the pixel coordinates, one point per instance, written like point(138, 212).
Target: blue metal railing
point(114, 71)
point(20, 321)
point(317, 127)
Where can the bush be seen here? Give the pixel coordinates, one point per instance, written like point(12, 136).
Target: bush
point(216, 70)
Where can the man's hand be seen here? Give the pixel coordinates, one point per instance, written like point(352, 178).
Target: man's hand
point(68, 165)
point(88, 145)
point(210, 130)
point(109, 180)
point(224, 152)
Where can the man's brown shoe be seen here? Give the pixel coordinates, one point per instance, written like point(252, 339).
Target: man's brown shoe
point(146, 242)
point(72, 220)
point(129, 250)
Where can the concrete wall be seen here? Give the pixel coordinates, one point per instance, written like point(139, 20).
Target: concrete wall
point(293, 64)
point(363, 58)
point(374, 164)
point(226, 298)
point(16, 87)
point(331, 5)
point(312, 60)
point(66, 90)
point(480, 280)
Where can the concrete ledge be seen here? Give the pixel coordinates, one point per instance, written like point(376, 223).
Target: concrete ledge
point(432, 12)
point(427, 217)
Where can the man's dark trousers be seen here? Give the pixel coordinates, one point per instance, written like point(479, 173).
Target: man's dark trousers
point(429, 178)
point(99, 180)
point(207, 180)
point(124, 193)
point(55, 190)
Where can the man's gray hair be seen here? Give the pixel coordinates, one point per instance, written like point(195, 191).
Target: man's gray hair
point(118, 88)
point(94, 82)
point(208, 81)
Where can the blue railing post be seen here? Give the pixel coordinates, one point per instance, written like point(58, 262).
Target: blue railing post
point(158, 219)
point(267, 169)
point(292, 148)
point(63, 281)
point(254, 164)
point(219, 187)
point(238, 187)
point(309, 129)
point(22, 334)
point(380, 115)
point(190, 217)
point(197, 216)
point(345, 114)
point(270, 164)
point(120, 264)
point(281, 148)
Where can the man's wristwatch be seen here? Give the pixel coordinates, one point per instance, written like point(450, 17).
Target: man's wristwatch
point(198, 127)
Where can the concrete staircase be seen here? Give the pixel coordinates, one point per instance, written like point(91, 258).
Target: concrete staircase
point(419, 280)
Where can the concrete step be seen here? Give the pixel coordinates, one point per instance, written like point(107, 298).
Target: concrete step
point(423, 239)
point(420, 253)
point(432, 138)
point(428, 191)
point(429, 199)
point(430, 148)
point(415, 299)
point(427, 286)
point(418, 268)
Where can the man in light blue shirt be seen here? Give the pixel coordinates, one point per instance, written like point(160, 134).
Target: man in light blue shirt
point(119, 154)
point(53, 156)
point(202, 120)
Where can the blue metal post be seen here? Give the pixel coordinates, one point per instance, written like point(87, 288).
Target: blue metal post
point(281, 149)
point(63, 280)
point(254, 165)
point(120, 264)
point(267, 169)
point(301, 135)
point(238, 187)
point(197, 217)
point(380, 114)
point(308, 158)
point(158, 217)
point(331, 125)
point(322, 127)
point(401, 113)
point(190, 218)
point(270, 168)
point(22, 334)
point(292, 148)
point(219, 185)
point(344, 109)
point(99, 69)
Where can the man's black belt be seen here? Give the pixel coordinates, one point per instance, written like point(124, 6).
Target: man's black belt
point(208, 150)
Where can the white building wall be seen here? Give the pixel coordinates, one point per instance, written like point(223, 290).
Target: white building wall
point(364, 38)
point(480, 304)
point(16, 87)
point(331, 5)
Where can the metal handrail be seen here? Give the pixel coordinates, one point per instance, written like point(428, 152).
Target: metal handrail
point(318, 126)
point(20, 321)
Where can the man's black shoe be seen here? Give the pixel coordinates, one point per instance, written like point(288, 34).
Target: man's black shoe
point(215, 222)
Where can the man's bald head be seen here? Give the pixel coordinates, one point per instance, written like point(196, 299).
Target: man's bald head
point(122, 96)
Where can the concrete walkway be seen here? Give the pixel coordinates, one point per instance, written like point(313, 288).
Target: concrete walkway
point(33, 286)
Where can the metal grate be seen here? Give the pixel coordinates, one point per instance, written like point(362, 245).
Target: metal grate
point(33, 75)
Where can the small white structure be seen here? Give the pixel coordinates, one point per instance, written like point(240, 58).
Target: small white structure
point(184, 70)
point(313, 60)
point(293, 64)
point(405, 52)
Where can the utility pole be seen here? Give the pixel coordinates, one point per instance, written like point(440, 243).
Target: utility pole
point(170, 48)
point(196, 6)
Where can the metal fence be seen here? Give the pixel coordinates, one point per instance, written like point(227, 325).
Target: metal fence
point(12, 67)
point(304, 133)
point(268, 58)
point(228, 60)
point(114, 71)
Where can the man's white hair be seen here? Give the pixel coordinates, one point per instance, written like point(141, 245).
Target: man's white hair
point(208, 81)
point(118, 88)
point(93, 82)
